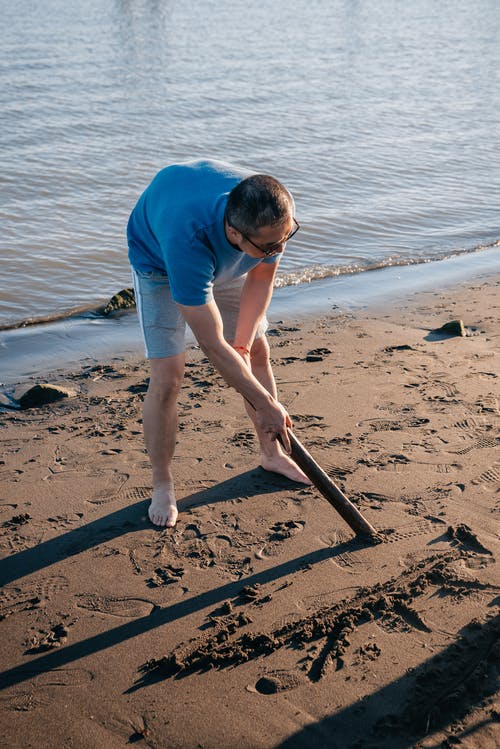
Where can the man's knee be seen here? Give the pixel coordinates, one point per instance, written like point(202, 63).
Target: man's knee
point(166, 378)
point(260, 352)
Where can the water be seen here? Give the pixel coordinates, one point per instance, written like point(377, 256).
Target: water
point(382, 117)
point(67, 344)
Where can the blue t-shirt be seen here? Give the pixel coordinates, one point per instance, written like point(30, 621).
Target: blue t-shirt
point(177, 227)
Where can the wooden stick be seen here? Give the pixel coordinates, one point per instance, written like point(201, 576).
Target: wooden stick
point(328, 489)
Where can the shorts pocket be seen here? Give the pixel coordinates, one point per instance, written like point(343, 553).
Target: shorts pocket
point(151, 275)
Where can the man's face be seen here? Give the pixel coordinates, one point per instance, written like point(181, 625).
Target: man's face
point(268, 240)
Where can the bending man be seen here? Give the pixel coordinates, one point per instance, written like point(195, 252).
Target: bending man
point(205, 240)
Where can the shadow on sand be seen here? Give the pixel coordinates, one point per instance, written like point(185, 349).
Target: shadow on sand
point(161, 616)
point(133, 518)
point(440, 692)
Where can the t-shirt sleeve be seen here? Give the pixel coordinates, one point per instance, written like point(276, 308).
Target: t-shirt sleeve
point(273, 260)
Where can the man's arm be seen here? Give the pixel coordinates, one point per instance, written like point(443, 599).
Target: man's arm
point(206, 323)
point(255, 297)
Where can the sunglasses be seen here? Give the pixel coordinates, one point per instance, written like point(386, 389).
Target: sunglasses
point(271, 249)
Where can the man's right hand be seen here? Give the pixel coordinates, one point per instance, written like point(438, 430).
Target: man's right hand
point(273, 421)
point(271, 418)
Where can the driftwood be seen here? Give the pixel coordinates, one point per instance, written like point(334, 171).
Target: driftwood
point(328, 489)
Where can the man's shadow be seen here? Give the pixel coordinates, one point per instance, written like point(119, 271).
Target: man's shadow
point(125, 520)
point(133, 518)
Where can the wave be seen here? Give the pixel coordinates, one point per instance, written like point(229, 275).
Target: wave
point(307, 275)
point(322, 272)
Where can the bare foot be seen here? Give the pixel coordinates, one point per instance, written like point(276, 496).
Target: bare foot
point(280, 463)
point(163, 508)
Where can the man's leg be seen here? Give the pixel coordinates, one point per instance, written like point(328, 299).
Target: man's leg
point(273, 458)
point(163, 328)
point(160, 433)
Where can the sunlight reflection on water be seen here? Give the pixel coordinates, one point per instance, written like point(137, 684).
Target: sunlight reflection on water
point(381, 117)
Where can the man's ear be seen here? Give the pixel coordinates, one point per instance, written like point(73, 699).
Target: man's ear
point(233, 234)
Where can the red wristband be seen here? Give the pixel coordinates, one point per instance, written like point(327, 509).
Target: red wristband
point(242, 348)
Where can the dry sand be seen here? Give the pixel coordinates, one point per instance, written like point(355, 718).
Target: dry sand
point(260, 620)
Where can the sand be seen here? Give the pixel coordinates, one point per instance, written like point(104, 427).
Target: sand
point(261, 620)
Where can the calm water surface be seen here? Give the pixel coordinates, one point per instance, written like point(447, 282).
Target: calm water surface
point(381, 116)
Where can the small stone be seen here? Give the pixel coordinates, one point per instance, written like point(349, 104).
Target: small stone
point(124, 299)
point(317, 354)
point(41, 395)
point(454, 327)
point(19, 520)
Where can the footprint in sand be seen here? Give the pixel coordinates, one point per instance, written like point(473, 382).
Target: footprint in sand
point(463, 536)
point(277, 681)
point(420, 507)
point(243, 439)
point(338, 473)
point(403, 532)
point(282, 530)
point(24, 701)
point(478, 562)
point(348, 562)
point(12, 475)
point(17, 520)
point(166, 575)
point(395, 462)
point(43, 640)
point(403, 620)
point(473, 427)
point(219, 545)
point(438, 390)
point(366, 653)
point(345, 560)
point(436, 467)
point(396, 409)
point(14, 542)
point(228, 553)
point(15, 599)
point(134, 494)
point(61, 677)
point(490, 477)
point(308, 420)
point(372, 499)
point(488, 404)
point(390, 425)
point(14, 604)
point(65, 521)
point(106, 483)
point(51, 586)
point(128, 608)
point(7, 508)
point(482, 442)
point(191, 531)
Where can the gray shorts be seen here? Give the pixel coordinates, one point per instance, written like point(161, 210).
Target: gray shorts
point(162, 323)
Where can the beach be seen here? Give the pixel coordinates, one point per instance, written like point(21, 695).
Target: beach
point(262, 621)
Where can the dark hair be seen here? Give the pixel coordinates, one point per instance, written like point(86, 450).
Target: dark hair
point(259, 200)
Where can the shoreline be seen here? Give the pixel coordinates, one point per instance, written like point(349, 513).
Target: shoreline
point(36, 351)
point(261, 607)
point(312, 275)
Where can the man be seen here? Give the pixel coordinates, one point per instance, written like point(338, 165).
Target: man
point(205, 240)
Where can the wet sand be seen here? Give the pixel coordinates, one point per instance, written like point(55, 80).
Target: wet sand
point(261, 620)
